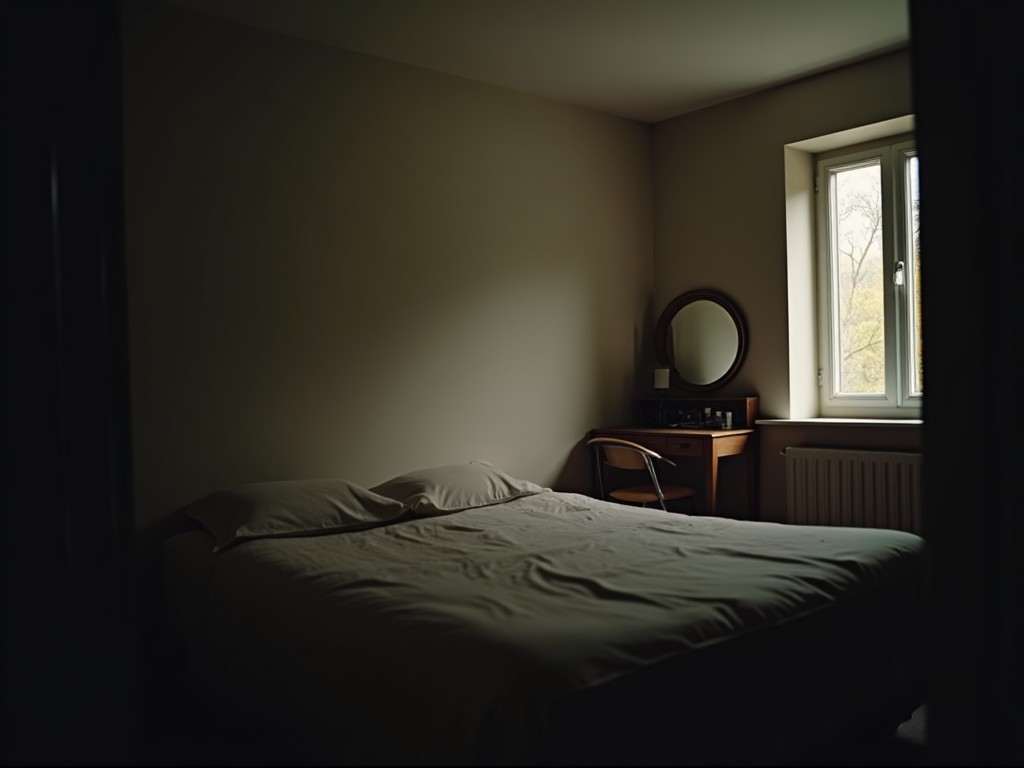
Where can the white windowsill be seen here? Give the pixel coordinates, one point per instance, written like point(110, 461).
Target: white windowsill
point(839, 422)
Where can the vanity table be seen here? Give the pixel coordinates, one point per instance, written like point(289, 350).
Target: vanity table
point(701, 341)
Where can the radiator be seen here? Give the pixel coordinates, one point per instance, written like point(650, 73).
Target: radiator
point(863, 489)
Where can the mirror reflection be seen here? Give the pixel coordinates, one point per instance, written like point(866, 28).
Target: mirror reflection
point(704, 342)
point(701, 337)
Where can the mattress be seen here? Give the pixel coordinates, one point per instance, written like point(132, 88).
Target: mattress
point(554, 627)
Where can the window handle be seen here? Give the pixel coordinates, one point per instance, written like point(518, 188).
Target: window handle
point(897, 275)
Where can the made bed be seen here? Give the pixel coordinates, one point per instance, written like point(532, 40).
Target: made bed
point(457, 615)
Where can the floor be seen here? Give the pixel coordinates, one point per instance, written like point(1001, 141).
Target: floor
point(908, 746)
point(215, 742)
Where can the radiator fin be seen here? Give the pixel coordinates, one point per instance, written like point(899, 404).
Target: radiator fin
point(857, 488)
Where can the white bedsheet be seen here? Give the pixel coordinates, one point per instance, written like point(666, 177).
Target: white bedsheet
point(441, 639)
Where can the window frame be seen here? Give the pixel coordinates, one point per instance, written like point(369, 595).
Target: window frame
point(900, 354)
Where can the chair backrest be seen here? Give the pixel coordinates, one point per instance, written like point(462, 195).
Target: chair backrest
point(625, 454)
point(623, 458)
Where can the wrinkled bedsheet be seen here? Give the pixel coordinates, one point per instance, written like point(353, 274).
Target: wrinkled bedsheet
point(446, 639)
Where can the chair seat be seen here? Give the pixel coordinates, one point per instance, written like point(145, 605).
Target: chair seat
point(645, 494)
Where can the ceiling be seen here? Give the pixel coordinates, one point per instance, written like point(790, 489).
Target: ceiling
point(646, 60)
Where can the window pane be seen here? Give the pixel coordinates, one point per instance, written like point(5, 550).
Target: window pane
point(858, 284)
point(916, 366)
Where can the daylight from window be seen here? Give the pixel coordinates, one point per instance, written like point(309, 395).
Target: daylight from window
point(914, 289)
point(858, 290)
point(872, 260)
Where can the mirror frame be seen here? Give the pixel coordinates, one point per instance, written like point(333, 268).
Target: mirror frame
point(661, 337)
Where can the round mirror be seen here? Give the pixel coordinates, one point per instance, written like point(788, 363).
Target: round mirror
point(702, 338)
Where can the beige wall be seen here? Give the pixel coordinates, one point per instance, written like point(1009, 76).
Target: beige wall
point(344, 267)
point(341, 266)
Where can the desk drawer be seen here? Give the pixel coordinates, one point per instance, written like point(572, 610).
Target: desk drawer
point(654, 442)
point(682, 445)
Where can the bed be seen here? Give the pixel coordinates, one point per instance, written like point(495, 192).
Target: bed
point(458, 615)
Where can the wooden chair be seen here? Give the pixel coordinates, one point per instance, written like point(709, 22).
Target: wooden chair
point(630, 456)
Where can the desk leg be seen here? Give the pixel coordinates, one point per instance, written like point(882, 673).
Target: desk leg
point(751, 485)
point(711, 481)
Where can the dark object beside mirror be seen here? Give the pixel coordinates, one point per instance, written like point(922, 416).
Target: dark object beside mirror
point(702, 337)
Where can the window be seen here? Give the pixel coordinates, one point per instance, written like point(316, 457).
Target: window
point(869, 272)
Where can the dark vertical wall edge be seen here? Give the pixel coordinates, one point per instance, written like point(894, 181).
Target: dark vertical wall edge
point(70, 638)
point(968, 95)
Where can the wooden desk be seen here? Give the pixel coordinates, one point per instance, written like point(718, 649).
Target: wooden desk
point(707, 445)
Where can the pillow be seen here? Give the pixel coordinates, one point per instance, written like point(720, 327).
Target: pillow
point(454, 487)
point(290, 508)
